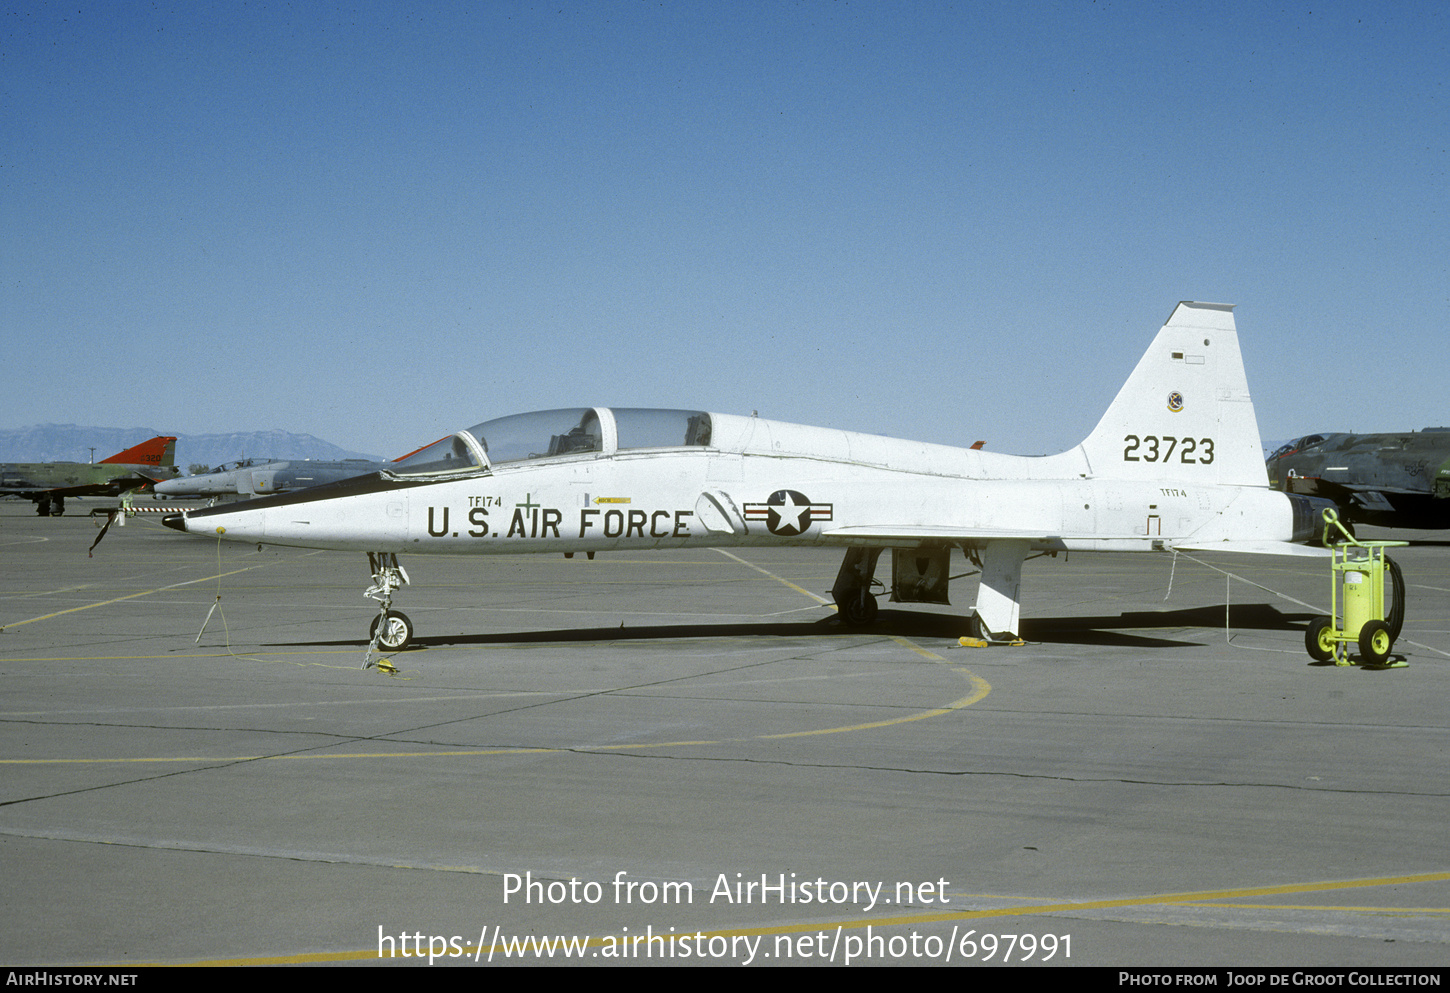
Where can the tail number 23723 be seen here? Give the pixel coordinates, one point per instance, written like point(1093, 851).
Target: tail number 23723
point(1152, 448)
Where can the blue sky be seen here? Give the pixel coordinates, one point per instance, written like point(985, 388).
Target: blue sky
point(380, 223)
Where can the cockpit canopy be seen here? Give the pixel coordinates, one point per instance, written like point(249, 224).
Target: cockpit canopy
point(234, 466)
point(547, 434)
point(1298, 445)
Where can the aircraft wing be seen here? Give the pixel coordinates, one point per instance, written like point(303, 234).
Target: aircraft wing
point(927, 532)
point(102, 488)
point(1254, 548)
point(1397, 490)
point(157, 473)
point(114, 486)
point(920, 532)
point(1365, 491)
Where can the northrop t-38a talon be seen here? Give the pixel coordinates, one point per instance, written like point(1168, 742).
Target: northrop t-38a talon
point(1175, 463)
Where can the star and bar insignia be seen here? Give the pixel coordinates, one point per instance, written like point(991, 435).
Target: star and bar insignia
point(788, 513)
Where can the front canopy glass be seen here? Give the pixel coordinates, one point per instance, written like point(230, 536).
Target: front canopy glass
point(553, 433)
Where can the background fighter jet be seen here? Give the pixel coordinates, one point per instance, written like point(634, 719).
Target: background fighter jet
point(1389, 480)
point(260, 477)
point(1174, 463)
point(49, 483)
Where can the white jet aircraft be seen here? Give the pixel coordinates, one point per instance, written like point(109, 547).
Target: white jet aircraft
point(1175, 463)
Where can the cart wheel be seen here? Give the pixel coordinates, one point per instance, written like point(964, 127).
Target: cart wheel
point(1396, 617)
point(396, 635)
point(1319, 639)
point(1375, 642)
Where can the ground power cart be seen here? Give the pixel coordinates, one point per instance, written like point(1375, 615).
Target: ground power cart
point(1357, 598)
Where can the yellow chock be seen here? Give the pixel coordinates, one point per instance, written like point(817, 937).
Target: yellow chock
point(972, 643)
point(387, 667)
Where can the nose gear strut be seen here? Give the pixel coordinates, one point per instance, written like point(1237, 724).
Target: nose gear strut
point(391, 630)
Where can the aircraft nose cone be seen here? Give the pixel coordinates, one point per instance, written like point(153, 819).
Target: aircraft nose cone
point(177, 522)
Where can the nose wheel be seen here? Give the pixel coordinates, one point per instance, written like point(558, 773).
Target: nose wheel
point(391, 631)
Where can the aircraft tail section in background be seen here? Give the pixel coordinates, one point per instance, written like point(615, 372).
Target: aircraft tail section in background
point(1185, 414)
point(49, 483)
point(160, 450)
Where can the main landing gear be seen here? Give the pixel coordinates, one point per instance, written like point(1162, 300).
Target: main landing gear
point(853, 593)
point(391, 630)
point(921, 575)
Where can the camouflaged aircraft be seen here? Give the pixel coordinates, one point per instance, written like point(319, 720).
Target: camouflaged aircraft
point(1175, 463)
point(1389, 480)
point(49, 483)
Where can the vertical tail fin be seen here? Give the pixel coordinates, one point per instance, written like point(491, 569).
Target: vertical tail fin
point(1185, 414)
point(160, 450)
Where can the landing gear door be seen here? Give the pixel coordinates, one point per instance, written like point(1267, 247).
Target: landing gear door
point(920, 575)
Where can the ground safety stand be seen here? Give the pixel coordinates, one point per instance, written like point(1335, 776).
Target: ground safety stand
point(1359, 567)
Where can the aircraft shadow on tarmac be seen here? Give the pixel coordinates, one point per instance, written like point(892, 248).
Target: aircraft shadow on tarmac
point(1102, 630)
point(1111, 630)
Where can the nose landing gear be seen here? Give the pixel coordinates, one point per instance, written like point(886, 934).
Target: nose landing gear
point(391, 630)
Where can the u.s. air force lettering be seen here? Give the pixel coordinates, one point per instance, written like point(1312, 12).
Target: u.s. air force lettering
point(534, 520)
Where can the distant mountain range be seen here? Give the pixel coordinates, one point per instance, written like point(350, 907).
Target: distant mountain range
point(73, 443)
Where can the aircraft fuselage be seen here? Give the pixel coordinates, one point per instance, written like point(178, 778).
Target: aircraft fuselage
point(1174, 463)
point(701, 497)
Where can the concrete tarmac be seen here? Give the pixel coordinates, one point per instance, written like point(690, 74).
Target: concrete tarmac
point(684, 758)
